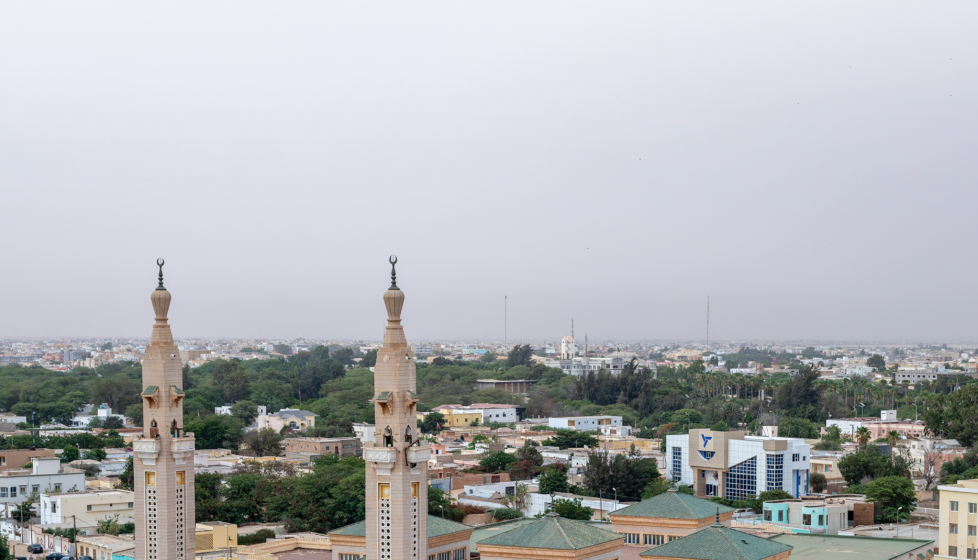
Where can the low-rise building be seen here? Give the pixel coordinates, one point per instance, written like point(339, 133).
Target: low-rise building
point(365, 432)
point(666, 517)
point(586, 423)
point(878, 427)
point(15, 459)
point(552, 537)
point(311, 447)
point(46, 474)
point(291, 418)
point(827, 515)
point(827, 463)
point(226, 410)
point(498, 413)
point(457, 417)
point(105, 547)
point(87, 507)
point(214, 535)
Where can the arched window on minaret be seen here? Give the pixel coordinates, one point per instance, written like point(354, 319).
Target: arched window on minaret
point(154, 431)
point(407, 435)
point(388, 437)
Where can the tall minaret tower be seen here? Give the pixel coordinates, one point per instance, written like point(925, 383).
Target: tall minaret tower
point(164, 454)
point(397, 467)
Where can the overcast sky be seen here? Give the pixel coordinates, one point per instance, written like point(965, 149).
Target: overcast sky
point(811, 166)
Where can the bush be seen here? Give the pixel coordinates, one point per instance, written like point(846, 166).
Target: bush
point(258, 537)
point(502, 514)
point(468, 509)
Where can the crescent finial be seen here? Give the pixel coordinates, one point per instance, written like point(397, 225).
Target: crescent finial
point(393, 261)
point(159, 263)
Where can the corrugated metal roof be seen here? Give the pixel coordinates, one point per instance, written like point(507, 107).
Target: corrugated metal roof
point(718, 543)
point(553, 532)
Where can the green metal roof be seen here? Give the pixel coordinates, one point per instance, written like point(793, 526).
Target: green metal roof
point(176, 390)
point(717, 542)
point(553, 532)
point(384, 396)
point(149, 390)
point(436, 528)
point(673, 505)
point(811, 547)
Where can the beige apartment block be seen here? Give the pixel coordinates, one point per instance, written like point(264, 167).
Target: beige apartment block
point(958, 520)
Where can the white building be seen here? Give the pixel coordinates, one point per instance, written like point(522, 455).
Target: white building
point(226, 410)
point(422, 350)
point(365, 432)
point(581, 366)
point(499, 413)
point(732, 465)
point(103, 412)
point(87, 507)
point(588, 423)
point(45, 475)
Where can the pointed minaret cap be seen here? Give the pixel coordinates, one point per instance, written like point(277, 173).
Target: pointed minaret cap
point(394, 301)
point(718, 524)
point(161, 305)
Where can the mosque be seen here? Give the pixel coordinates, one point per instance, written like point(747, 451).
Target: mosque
point(397, 525)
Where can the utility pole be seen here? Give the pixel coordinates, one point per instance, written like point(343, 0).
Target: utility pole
point(74, 533)
point(707, 323)
point(505, 318)
point(33, 433)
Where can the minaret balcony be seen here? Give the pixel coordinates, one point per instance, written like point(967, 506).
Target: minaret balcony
point(147, 450)
point(181, 447)
point(418, 454)
point(383, 458)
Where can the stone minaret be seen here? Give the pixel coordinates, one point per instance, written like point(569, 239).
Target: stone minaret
point(164, 455)
point(397, 467)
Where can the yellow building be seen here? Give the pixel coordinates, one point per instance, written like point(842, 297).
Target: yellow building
point(215, 535)
point(958, 534)
point(454, 419)
point(829, 466)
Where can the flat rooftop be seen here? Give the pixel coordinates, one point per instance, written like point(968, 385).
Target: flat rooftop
point(831, 547)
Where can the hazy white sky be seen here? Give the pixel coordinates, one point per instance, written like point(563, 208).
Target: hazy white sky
point(809, 165)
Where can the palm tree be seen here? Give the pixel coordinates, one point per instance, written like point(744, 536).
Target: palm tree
point(862, 436)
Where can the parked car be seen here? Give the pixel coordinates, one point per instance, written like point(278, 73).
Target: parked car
point(35, 548)
point(85, 558)
point(55, 556)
